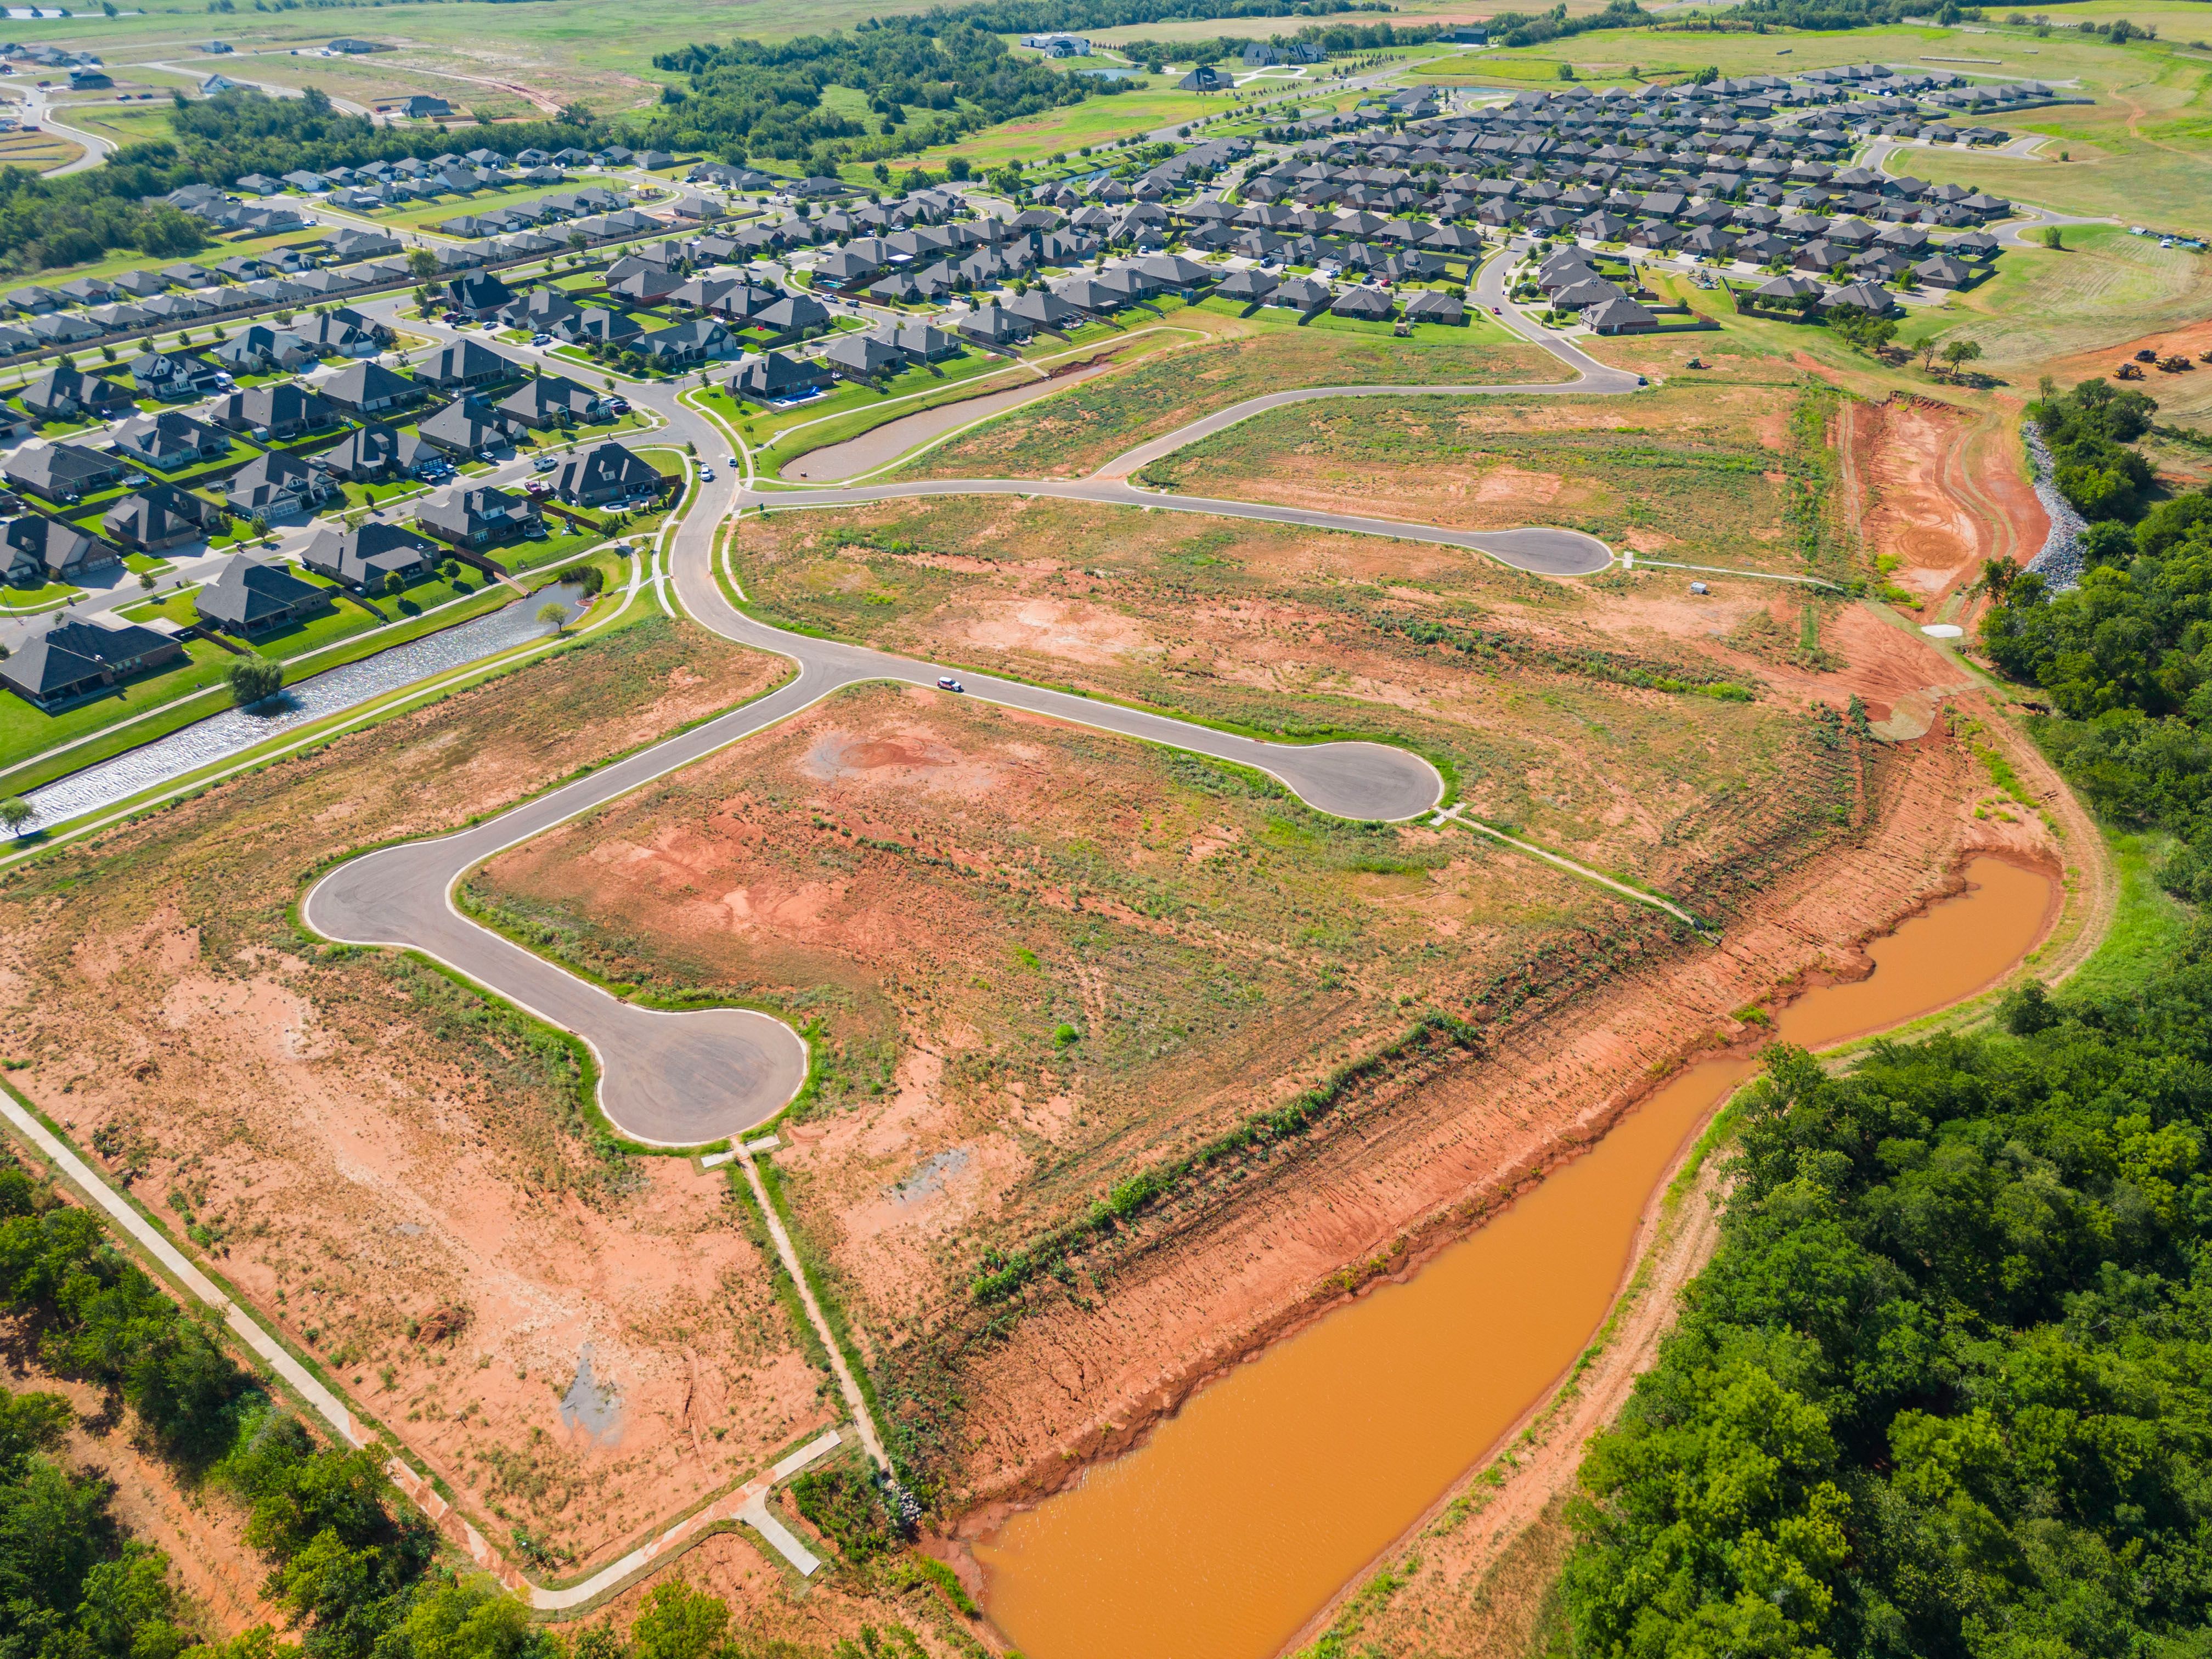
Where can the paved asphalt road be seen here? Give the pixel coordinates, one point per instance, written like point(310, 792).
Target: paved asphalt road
point(690, 1077)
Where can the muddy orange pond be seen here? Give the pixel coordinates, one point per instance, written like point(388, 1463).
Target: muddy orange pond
point(1223, 1535)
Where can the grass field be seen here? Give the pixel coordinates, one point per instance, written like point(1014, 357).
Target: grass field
point(1698, 470)
point(1077, 429)
point(122, 125)
point(2104, 287)
point(42, 151)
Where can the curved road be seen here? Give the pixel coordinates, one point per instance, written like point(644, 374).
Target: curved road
point(699, 1076)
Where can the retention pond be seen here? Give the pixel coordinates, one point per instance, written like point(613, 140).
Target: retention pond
point(1223, 1535)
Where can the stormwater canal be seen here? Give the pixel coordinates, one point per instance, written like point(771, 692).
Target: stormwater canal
point(1223, 1535)
point(235, 730)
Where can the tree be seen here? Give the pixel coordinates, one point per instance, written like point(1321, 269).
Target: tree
point(421, 266)
point(15, 813)
point(1958, 353)
point(1929, 349)
point(2053, 238)
point(554, 614)
point(255, 679)
point(679, 1622)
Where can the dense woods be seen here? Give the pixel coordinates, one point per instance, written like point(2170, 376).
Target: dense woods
point(1943, 1389)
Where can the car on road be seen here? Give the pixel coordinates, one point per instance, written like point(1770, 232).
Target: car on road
point(731, 463)
point(706, 475)
point(544, 462)
point(1496, 311)
point(620, 405)
point(947, 683)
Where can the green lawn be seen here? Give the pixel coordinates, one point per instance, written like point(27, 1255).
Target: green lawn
point(26, 730)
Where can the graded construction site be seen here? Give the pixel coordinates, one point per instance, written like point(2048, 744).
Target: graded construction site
point(1126, 1064)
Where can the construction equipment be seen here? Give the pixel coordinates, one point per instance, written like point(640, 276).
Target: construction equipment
point(2127, 372)
point(2145, 356)
point(2177, 364)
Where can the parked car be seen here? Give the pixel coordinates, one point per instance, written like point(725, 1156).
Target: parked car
point(620, 405)
point(706, 475)
point(544, 462)
point(541, 339)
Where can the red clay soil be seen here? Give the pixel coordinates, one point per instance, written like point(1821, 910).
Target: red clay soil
point(1416, 1164)
point(389, 1172)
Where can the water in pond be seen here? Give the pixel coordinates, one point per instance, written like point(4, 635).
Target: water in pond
point(1223, 1535)
point(237, 730)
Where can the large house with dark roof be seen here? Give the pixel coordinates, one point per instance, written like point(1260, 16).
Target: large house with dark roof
point(606, 473)
point(369, 557)
point(61, 473)
point(161, 516)
point(36, 549)
point(79, 657)
point(253, 597)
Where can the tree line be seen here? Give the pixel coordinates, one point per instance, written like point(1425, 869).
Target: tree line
point(1942, 1389)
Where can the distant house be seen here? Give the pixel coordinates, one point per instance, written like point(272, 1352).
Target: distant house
point(686, 344)
point(479, 294)
point(467, 364)
point(35, 549)
point(173, 374)
point(1369, 304)
point(864, 356)
point(1620, 315)
point(81, 658)
point(550, 400)
point(466, 428)
point(61, 473)
point(161, 516)
point(606, 473)
point(282, 411)
point(168, 441)
point(1204, 78)
point(774, 378)
point(375, 452)
point(369, 557)
point(274, 485)
point(540, 311)
point(372, 389)
point(63, 394)
point(479, 517)
point(1429, 305)
point(792, 316)
point(346, 46)
point(252, 596)
point(421, 106)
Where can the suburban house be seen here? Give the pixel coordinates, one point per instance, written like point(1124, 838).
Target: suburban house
point(599, 325)
point(466, 428)
point(479, 294)
point(161, 516)
point(465, 364)
point(36, 549)
point(478, 517)
point(253, 597)
point(372, 389)
point(63, 394)
point(173, 374)
point(418, 107)
point(1430, 304)
point(272, 485)
point(863, 357)
point(61, 473)
point(774, 378)
point(376, 452)
point(792, 316)
point(606, 473)
point(1371, 304)
point(281, 411)
point(169, 441)
point(683, 345)
point(343, 332)
point(540, 311)
point(259, 350)
point(549, 400)
point(78, 658)
point(371, 555)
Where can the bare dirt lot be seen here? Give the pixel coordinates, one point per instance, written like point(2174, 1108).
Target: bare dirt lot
point(399, 1174)
point(1543, 697)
